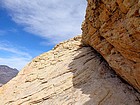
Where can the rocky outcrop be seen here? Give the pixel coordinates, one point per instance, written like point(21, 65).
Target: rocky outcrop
point(6, 74)
point(70, 74)
point(112, 27)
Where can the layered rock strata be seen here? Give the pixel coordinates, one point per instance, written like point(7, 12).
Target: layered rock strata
point(70, 74)
point(112, 27)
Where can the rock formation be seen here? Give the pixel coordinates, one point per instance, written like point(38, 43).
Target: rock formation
point(6, 74)
point(112, 27)
point(75, 74)
point(70, 74)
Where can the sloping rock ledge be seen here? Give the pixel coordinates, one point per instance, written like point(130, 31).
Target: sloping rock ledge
point(70, 74)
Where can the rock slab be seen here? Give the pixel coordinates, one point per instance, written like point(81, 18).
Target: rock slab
point(70, 74)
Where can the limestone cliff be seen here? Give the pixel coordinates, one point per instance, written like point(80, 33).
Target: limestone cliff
point(112, 27)
point(70, 74)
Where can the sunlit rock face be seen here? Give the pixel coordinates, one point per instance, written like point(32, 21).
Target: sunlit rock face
point(112, 28)
point(70, 74)
point(6, 74)
point(76, 74)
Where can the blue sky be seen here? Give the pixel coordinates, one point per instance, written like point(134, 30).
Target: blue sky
point(31, 27)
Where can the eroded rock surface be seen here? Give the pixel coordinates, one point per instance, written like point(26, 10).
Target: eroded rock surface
point(70, 74)
point(112, 27)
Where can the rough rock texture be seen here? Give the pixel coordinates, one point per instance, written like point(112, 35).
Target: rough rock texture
point(6, 74)
point(112, 27)
point(70, 74)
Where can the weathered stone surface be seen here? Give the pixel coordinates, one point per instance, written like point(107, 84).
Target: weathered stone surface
point(112, 27)
point(70, 74)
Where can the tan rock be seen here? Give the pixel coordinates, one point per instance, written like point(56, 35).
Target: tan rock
point(70, 74)
point(117, 37)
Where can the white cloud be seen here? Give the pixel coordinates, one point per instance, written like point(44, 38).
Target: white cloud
point(14, 62)
point(56, 20)
point(16, 58)
point(9, 48)
point(7, 31)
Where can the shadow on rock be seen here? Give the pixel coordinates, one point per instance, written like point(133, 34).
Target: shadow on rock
point(96, 83)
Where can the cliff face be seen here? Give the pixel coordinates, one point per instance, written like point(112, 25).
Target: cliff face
point(6, 74)
point(70, 74)
point(74, 74)
point(112, 27)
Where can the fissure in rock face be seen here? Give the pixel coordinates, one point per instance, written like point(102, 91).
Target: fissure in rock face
point(112, 27)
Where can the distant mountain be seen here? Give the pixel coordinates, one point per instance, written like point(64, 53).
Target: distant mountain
point(6, 74)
